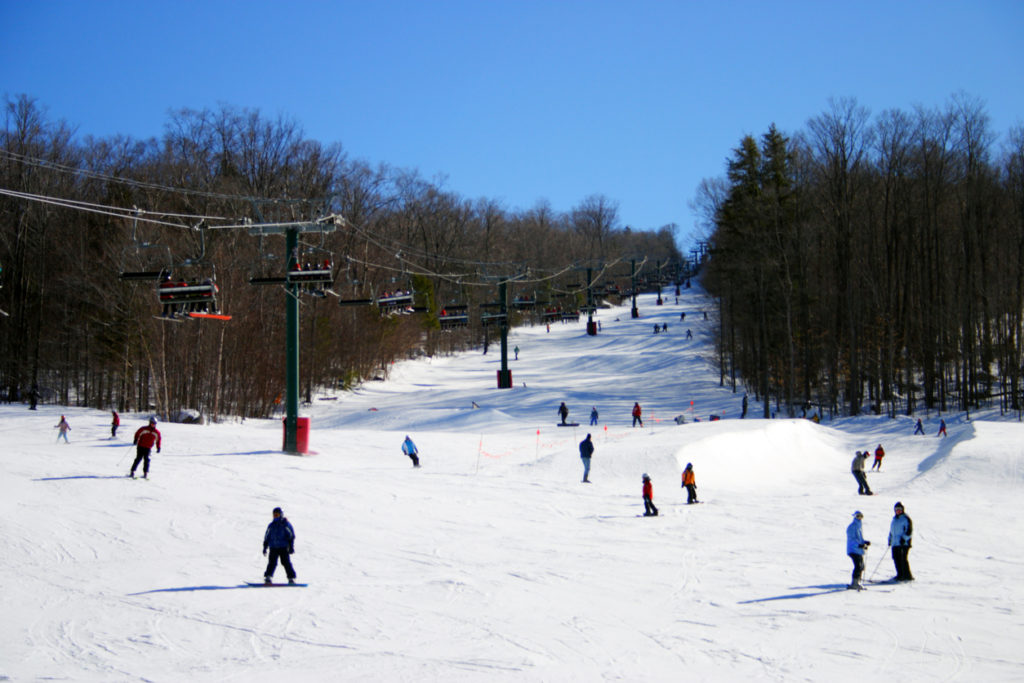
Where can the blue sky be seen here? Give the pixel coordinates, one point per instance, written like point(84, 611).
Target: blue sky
point(517, 101)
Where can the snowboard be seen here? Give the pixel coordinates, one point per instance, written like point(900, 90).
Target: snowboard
point(568, 424)
point(260, 584)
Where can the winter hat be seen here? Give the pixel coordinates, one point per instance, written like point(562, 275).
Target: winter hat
point(645, 476)
point(858, 513)
point(278, 511)
point(898, 505)
point(152, 420)
point(689, 465)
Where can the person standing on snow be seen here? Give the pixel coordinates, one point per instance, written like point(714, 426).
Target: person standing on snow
point(63, 428)
point(900, 531)
point(145, 438)
point(409, 448)
point(563, 411)
point(855, 547)
point(942, 428)
point(280, 540)
point(636, 415)
point(114, 423)
point(690, 483)
point(857, 468)
point(593, 416)
point(586, 450)
point(879, 454)
point(649, 509)
point(919, 428)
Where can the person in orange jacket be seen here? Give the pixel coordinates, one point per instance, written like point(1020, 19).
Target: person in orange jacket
point(690, 482)
point(145, 438)
point(649, 509)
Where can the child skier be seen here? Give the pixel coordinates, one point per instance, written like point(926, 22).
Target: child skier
point(63, 428)
point(280, 541)
point(649, 509)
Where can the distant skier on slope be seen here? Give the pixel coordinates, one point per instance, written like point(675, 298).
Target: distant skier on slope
point(280, 541)
point(900, 532)
point(636, 415)
point(919, 428)
point(62, 428)
point(409, 448)
point(593, 416)
point(879, 454)
point(649, 509)
point(115, 422)
point(855, 547)
point(145, 438)
point(857, 468)
point(690, 483)
point(586, 451)
point(563, 411)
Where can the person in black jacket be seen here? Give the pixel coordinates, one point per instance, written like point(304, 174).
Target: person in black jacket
point(586, 450)
point(280, 540)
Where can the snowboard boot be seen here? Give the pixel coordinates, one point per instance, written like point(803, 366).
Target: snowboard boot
point(292, 581)
point(266, 580)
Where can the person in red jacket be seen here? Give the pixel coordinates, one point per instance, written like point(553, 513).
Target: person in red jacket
point(636, 415)
point(145, 438)
point(114, 424)
point(649, 509)
point(879, 454)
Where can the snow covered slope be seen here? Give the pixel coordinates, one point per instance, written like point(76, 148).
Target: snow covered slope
point(493, 562)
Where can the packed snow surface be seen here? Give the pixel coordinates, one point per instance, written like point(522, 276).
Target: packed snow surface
point(493, 561)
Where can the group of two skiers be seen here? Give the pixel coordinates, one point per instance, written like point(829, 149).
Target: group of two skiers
point(901, 530)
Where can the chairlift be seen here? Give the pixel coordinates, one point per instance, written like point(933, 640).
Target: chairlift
point(453, 316)
point(193, 292)
point(145, 262)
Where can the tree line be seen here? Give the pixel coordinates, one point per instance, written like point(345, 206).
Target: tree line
point(82, 336)
point(872, 263)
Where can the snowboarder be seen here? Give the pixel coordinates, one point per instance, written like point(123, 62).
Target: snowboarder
point(409, 448)
point(636, 415)
point(586, 451)
point(857, 468)
point(690, 483)
point(593, 415)
point(900, 531)
point(145, 438)
point(649, 509)
point(855, 547)
point(563, 411)
point(280, 540)
point(919, 428)
point(114, 423)
point(942, 428)
point(879, 454)
point(63, 428)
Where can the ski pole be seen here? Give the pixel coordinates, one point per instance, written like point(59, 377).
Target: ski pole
point(879, 564)
point(122, 458)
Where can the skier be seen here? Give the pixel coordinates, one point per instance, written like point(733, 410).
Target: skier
point(409, 448)
point(146, 437)
point(879, 454)
point(855, 547)
point(280, 540)
point(586, 451)
point(636, 415)
point(114, 423)
point(593, 415)
point(33, 397)
point(689, 335)
point(63, 428)
point(563, 411)
point(690, 483)
point(744, 413)
point(942, 428)
point(516, 351)
point(919, 428)
point(649, 509)
point(857, 468)
point(900, 532)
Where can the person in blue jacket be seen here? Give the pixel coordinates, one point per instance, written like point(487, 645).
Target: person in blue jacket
point(900, 532)
point(855, 547)
point(409, 448)
point(280, 541)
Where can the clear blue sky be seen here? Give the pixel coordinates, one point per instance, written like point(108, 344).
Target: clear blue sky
point(523, 100)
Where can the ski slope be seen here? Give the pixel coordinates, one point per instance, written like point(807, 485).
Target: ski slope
point(493, 562)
